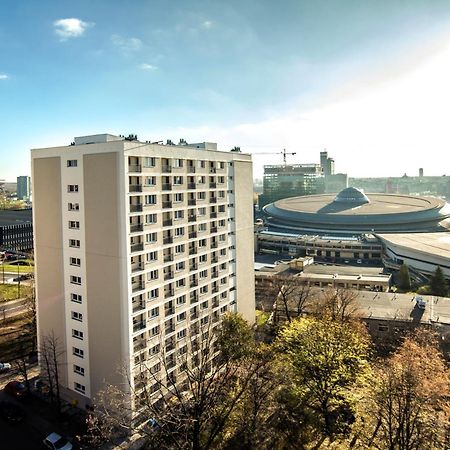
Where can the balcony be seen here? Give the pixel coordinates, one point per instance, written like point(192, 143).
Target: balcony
point(134, 168)
point(166, 205)
point(214, 274)
point(166, 187)
point(192, 251)
point(215, 289)
point(137, 287)
point(136, 208)
point(137, 267)
point(169, 293)
point(138, 307)
point(134, 228)
point(193, 235)
point(194, 315)
point(168, 276)
point(168, 258)
point(192, 218)
point(136, 247)
point(212, 170)
point(170, 328)
point(213, 215)
point(166, 168)
point(169, 347)
point(167, 222)
point(192, 202)
point(135, 188)
point(168, 240)
point(214, 259)
point(214, 244)
point(169, 311)
point(213, 200)
point(193, 283)
point(138, 346)
point(212, 185)
point(191, 186)
point(213, 229)
point(193, 267)
point(193, 297)
point(138, 326)
point(190, 169)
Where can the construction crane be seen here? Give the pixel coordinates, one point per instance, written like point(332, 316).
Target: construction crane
point(284, 153)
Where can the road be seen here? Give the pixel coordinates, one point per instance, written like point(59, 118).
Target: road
point(12, 308)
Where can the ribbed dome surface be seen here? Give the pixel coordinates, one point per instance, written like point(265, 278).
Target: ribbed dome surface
point(351, 195)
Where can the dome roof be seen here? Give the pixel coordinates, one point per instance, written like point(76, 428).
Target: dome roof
point(351, 195)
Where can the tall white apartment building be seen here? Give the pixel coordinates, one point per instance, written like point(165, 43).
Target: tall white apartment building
point(134, 243)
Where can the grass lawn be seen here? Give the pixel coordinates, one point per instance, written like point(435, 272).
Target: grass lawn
point(13, 268)
point(15, 336)
point(10, 291)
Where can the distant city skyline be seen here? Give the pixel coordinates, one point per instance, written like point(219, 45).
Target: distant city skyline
point(368, 82)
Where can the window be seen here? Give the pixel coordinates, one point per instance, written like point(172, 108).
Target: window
point(221, 194)
point(154, 312)
point(221, 180)
point(79, 387)
point(75, 262)
point(201, 195)
point(181, 317)
point(178, 215)
point(202, 258)
point(179, 248)
point(77, 334)
point(179, 231)
point(223, 252)
point(72, 188)
point(203, 274)
point(75, 280)
point(72, 163)
point(153, 275)
point(223, 280)
point(221, 208)
point(74, 225)
point(79, 370)
point(74, 206)
point(201, 227)
point(222, 237)
point(201, 163)
point(203, 290)
point(221, 165)
point(150, 181)
point(179, 266)
point(78, 352)
point(77, 298)
point(202, 243)
point(178, 180)
point(151, 218)
point(150, 199)
point(221, 222)
point(181, 300)
point(202, 211)
point(154, 331)
point(153, 294)
point(74, 243)
point(180, 283)
point(204, 305)
point(177, 163)
point(181, 334)
point(149, 162)
point(151, 237)
point(178, 197)
point(223, 309)
point(152, 256)
point(204, 320)
point(155, 349)
point(77, 316)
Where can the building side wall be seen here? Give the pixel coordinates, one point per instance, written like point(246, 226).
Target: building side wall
point(106, 327)
point(245, 285)
point(49, 254)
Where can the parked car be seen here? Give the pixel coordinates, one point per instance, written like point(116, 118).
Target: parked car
point(21, 278)
point(16, 389)
point(421, 303)
point(4, 367)
point(54, 441)
point(11, 412)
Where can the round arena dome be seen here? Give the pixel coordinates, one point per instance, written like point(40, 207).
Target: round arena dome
point(352, 212)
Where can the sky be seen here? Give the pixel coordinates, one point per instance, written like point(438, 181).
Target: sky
point(366, 80)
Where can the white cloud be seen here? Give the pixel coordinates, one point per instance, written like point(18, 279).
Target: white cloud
point(126, 44)
point(3, 76)
point(146, 66)
point(71, 28)
point(207, 24)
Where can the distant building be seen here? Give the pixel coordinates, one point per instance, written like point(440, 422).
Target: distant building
point(291, 180)
point(16, 230)
point(327, 164)
point(23, 188)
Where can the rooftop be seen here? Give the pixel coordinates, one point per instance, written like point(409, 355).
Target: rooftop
point(15, 217)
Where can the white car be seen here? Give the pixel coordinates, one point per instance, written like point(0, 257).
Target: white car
point(55, 441)
point(4, 367)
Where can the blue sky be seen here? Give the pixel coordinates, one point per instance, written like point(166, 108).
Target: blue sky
point(367, 80)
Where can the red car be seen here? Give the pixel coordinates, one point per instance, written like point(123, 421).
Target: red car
point(16, 389)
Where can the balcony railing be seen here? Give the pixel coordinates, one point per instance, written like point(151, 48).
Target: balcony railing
point(193, 235)
point(192, 251)
point(134, 168)
point(215, 289)
point(166, 168)
point(168, 240)
point(191, 186)
point(138, 307)
point(214, 244)
point(169, 311)
point(137, 267)
point(168, 258)
point(192, 202)
point(136, 207)
point(191, 169)
point(169, 293)
point(167, 222)
point(192, 218)
point(214, 259)
point(139, 346)
point(213, 215)
point(138, 326)
point(213, 229)
point(212, 185)
point(135, 187)
point(166, 187)
point(137, 287)
point(168, 276)
point(213, 200)
point(170, 329)
point(212, 170)
point(134, 228)
point(193, 283)
point(137, 247)
point(167, 204)
point(193, 297)
point(193, 267)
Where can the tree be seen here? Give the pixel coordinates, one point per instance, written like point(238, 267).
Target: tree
point(438, 283)
point(337, 305)
point(189, 409)
point(409, 408)
point(404, 279)
point(328, 360)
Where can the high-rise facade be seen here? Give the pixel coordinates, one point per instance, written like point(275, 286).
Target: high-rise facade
point(23, 188)
point(134, 244)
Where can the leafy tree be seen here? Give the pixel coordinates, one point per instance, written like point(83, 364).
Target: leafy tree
point(438, 283)
point(404, 279)
point(409, 408)
point(328, 360)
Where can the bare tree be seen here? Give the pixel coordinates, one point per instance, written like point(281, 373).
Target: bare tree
point(337, 304)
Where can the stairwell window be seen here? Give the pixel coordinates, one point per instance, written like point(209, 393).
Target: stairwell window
point(77, 298)
point(80, 388)
point(72, 163)
point(77, 334)
point(78, 369)
point(77, 316)
point(72, 188)
point(75, 243)
point(75, 280)
point(73, 206)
